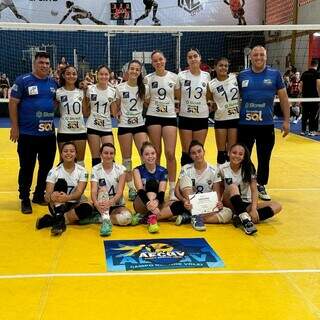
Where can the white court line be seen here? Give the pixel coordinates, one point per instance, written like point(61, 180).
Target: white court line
point(156, 273)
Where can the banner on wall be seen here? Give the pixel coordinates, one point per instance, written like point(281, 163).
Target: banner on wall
point(167, 12)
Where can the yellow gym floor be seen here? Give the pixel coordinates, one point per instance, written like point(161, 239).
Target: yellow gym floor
point(272, 275)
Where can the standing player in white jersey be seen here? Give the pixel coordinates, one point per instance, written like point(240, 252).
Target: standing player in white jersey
point(107, 183)
point(196, 177)
point(100, 98)
point(64, 193)
point(130, 97)
point(225, 93)
point(71, 125)
point(161, 119)
point(9, 4)
point(194, 110)
point(236, 186)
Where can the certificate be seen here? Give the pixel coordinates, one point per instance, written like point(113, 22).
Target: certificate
point(203, 202)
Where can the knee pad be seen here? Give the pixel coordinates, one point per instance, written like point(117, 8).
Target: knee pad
point(265, 213)
point(177, 208)
point(127, 163)
point(61, 186)
point(83, 211)
point(95, 161)
point(123, 218)
point(221, 157)
point(152, 186)
point(224, 215)
point(185, 159)
point(185, 182)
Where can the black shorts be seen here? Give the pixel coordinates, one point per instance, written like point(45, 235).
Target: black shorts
point(148, 4)
point(134, 130)
point(99, 133)
point(226, 124)
point(66, 137)
point(162, 121)
point(193, 124)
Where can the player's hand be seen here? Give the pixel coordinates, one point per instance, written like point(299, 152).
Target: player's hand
point(254, 215)
point(187, 205)
point(219, 205)
point(285, 128)
point(14, 134)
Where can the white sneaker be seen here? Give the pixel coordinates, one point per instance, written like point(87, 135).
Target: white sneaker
point(262, 193)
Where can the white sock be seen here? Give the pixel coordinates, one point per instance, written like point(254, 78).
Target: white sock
point(105, 215)
point(130, 184)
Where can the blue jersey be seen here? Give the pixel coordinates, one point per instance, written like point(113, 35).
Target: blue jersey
point(257, 92)
point(160, 174)
point(36, 106)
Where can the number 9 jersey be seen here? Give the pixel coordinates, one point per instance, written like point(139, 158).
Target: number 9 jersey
point(226, 96)
point(70, 107)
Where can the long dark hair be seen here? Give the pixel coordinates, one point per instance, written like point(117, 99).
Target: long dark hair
point(62, 79)
point(247, 167)
point(141, 86)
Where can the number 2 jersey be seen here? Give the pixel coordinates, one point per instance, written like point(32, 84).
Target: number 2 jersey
point(193, 94)
point(226, 96)
point(162, 94)
point(79, 174)
point(70, 107)
point(131, 106)
point(201, 182)
point(100, 106)
point(109, 179)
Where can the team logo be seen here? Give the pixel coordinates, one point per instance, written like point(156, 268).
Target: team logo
point(204, 84)
point(209, 182)
point(64, 98)
point(267, 82)
point(228, 181)
point(245, 83)
point(125, 94)
point(93, 97)
point(33, 90)
point(191, 6)
point(14, 87)
point(102, 182)
point(220, 89)
point(170, 85)
point(110, 99)
point(154, 85)
point(187, 83)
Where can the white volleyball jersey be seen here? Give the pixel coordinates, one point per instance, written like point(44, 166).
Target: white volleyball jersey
point(110, 180)
point(228, 176)
point(226, 96)
point(162, 94)
point(131, 106)
point(70, 106)
point(193, 94)
point(100, 107)
point(201, 182)
point(79, 174)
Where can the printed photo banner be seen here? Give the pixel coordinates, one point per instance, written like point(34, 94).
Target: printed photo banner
point(160, 254)
point(169, 12)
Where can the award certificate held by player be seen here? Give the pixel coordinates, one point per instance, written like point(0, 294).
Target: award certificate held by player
point(203, 202)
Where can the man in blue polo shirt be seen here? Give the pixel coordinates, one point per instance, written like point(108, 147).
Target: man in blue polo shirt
point(31, 110)
point(258, 86)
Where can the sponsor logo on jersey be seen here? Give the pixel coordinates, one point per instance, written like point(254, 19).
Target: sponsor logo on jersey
point(93, 97)
point(187, 83)
point(52, 89)
point(125, 94)
point(267, 82)
point(191, 6)
point(204, 84)
point(244, 83)
point(33, 90)
point(110, 99)
point(170, 84)
point(154, 85)
point(228, 181)
point(64, 98)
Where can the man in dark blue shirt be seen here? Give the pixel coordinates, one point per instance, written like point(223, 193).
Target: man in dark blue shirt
point(258, 86)
point(31, 110)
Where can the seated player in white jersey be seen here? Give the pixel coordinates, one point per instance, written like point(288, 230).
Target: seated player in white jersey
point(194, 110)
point(107, 185)
point(223, 89)
point(151, 181)
point(196, 177)
point(161, 119)
point(236, 186)
point(64, 193)
point(100, 99)
point(130, 97)
point(71, 125)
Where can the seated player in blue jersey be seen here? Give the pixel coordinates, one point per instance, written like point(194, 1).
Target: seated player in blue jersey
point(236, 186)
point(107, 185)
point(150, 180)
point(64, 193)
point(196, 177)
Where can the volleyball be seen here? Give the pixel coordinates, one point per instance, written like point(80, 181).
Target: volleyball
point(54, 12)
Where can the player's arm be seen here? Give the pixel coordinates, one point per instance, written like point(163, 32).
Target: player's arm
point(121, 185)
point(77, 193)
point(115, 108)
point(85, 106)
point(285, 107)
point(65, 16)
point(318, 87)
point(94, 192)
point(13, 114)
point(254, 201)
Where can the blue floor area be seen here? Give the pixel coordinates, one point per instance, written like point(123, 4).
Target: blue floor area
point(294, 128)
